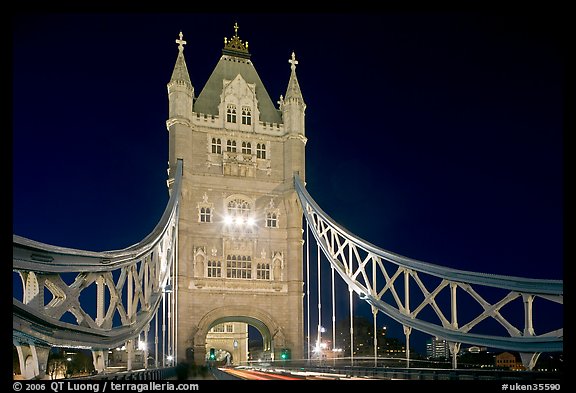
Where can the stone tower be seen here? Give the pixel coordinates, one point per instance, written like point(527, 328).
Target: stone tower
point(240, 227)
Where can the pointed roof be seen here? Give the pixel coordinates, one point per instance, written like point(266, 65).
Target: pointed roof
point(235, 60)
point(180, 73)
point(293, 91)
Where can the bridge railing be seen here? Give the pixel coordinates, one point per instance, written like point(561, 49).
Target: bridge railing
point(151, 374)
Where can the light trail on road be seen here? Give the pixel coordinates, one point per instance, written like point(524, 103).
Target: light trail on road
point(258, 375)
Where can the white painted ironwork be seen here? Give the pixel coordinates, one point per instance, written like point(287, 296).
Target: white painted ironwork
point(400, 288)
point(308, 293)
point(130, 284)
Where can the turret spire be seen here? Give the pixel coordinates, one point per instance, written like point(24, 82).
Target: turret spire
point(293, 91)
point(180, 89)
point(180, 74)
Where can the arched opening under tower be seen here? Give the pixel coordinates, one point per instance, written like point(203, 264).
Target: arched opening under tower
point(226, 331)
point(237, 341)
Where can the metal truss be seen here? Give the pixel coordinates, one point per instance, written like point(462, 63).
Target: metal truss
point(130, 286)
point(431, 298)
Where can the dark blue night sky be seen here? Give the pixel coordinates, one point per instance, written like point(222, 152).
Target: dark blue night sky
point(435, 135)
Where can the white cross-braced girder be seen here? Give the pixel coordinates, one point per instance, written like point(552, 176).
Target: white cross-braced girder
point(391, 283)
point(129, 284)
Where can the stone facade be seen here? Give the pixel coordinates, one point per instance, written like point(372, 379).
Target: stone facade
point(240, 226)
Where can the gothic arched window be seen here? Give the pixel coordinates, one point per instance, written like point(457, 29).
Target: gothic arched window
point(216, 145)
point(205, 214)
point(271, 220)
point(246, 115)
point(238, 208)
point(214, 268)
point(263, 271)
point(272, 214)
point(239, 266)
point(246, 148)
point(231, 146)
point(261, 151)
point(231, 113)
point(205, 210)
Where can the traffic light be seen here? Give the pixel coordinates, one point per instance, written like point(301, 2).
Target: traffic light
point(285, 354)
point(212, 354)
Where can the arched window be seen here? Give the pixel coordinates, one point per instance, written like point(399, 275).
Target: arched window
point(261, 151)
point(238, 208)
point(246, 115)
point(214, 269)
point(205, 209)
point(231, 113)
point(272, 220)
point(263, 271)
point(231, 146)
point(205, 214)
point(216, 145)
point(239, 266)
point(246, 148)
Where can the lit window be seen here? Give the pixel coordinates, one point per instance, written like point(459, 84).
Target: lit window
point(216, 145)
point(238, 208)
point(239, 266)
point(205, 209)
point(231, 113)
point(271, 220)
point(238, 217)
point(263, 271)
point(246, 115)
point(205, 214)
point(261, 151)
point(214, 269)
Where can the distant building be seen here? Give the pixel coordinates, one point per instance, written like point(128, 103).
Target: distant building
point(437, 348)
point(118, 358)
point(476, 349)
point(327, 351)
point(230, 341)
point(508, 360)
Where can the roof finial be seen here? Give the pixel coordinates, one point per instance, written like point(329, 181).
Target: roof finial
point(293, 61)
point(181, 43)
point(234, 46)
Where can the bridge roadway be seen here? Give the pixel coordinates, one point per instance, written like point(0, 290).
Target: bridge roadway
point(293, 372)
point(300, 371)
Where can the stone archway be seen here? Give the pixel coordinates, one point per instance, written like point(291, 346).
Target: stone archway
point(270, 330)
point(33, 360)
point(29, 367)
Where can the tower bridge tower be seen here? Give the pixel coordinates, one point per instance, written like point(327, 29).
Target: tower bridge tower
point(240, 228)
